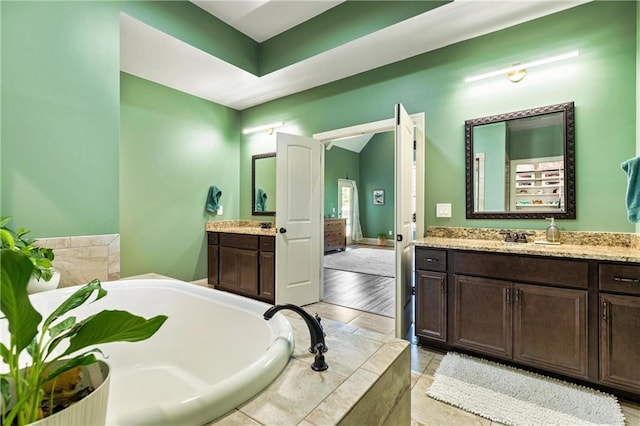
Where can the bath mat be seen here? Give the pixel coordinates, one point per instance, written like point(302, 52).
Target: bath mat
point(516, 397)
point(364, 260)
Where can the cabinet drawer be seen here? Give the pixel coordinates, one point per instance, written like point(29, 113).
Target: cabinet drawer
point(619, 277)
point(559, 272)
point(431, 260)
point(332, 225)
point(240, 241)
point(212, 238)
point(267, 244)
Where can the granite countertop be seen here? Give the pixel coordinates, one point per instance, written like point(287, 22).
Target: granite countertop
point(610, 253)
point(249, 227)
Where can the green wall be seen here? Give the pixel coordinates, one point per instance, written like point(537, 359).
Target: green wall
point(173, 146)
point(376, 172)
point(637, 91)
point(491, 139)
point(61, 160)
point(601, 82)
point(372, 168)
point(60, 117)
point(339, 163)
point(63, 170)
point(536, 143)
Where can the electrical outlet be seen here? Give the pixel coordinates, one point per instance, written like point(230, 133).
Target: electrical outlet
point(443, 210)
point(390, 232)
point(219, 211)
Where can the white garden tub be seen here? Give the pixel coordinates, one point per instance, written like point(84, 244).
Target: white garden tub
point(214, 352)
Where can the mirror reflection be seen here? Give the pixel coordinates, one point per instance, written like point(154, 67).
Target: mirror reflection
point(263, 184)
point(521, 164)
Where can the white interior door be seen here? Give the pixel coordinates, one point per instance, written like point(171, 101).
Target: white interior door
point(404, 137)
point(298, 219)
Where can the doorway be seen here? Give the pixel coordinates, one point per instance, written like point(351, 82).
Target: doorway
point(417, 190)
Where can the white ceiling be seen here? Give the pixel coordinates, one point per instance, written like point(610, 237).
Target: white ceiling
point(264, 19)
point(151, 54)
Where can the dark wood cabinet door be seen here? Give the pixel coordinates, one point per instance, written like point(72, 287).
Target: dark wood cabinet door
point(620, 341)
point(248, 271)
point(431, 305)
point(267, 274)
point(482, 315)
point(212, 265)
point(228, 264)
point(550, 328)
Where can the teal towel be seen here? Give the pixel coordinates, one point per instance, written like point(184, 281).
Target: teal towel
point(632, 168)
point(213, 199)
point(261, 200)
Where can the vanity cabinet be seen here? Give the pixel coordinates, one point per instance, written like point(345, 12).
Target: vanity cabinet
point(619, 302)
point(520, 312)
point(431, 294)
point(575, 317)
point(242, 264)
point(541, 326)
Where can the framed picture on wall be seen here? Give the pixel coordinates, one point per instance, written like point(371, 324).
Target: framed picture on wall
point(378, 197)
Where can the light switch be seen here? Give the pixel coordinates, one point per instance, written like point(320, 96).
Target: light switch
point(219, 211)
point(443, 210)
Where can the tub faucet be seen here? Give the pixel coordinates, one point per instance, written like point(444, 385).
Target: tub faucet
point(318, 346)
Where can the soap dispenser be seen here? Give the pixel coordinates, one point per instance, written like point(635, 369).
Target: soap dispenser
point(553, 233)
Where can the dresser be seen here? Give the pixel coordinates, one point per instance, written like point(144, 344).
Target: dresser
point(335, 234)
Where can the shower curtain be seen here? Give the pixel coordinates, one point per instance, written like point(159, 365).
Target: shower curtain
point(356, 229)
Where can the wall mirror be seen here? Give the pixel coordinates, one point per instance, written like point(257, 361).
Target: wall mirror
point(263, 184)
point(521, 165)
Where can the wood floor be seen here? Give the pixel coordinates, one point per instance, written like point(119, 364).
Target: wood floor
point(369, 293)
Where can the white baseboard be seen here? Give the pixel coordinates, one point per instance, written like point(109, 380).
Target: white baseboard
point(373, 242)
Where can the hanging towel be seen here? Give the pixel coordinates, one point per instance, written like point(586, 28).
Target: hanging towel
point(261, 200)
point(213, 198)
point(632, 168)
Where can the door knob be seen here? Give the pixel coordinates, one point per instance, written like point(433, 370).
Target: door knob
point(283, 230)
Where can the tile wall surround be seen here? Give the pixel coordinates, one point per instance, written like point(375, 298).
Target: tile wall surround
point(610, 239)
point(368, 382)
point(80, 259)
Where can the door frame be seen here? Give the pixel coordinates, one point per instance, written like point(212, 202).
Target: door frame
point(386, 125)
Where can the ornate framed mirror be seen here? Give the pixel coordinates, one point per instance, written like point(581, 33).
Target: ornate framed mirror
point(521, 165)
point(263, 184)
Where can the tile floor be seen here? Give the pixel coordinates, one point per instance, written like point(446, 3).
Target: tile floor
point(424, 410)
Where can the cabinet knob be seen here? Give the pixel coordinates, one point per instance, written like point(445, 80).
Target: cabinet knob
point(283, 230)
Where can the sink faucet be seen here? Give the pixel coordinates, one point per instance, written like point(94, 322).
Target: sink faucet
point(514, 237)
point(509, 236)
point(318, 346)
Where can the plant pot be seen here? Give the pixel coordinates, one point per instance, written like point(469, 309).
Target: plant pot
point(38, 285)
point(90, 410)
point(382, 242)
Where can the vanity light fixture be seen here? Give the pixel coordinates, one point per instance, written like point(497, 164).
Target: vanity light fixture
point(518, 71)
point(516, 75)
point(268, 127)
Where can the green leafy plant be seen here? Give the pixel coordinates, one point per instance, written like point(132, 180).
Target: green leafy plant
point(382, 236)
point(40, 339)
point(41, 257)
